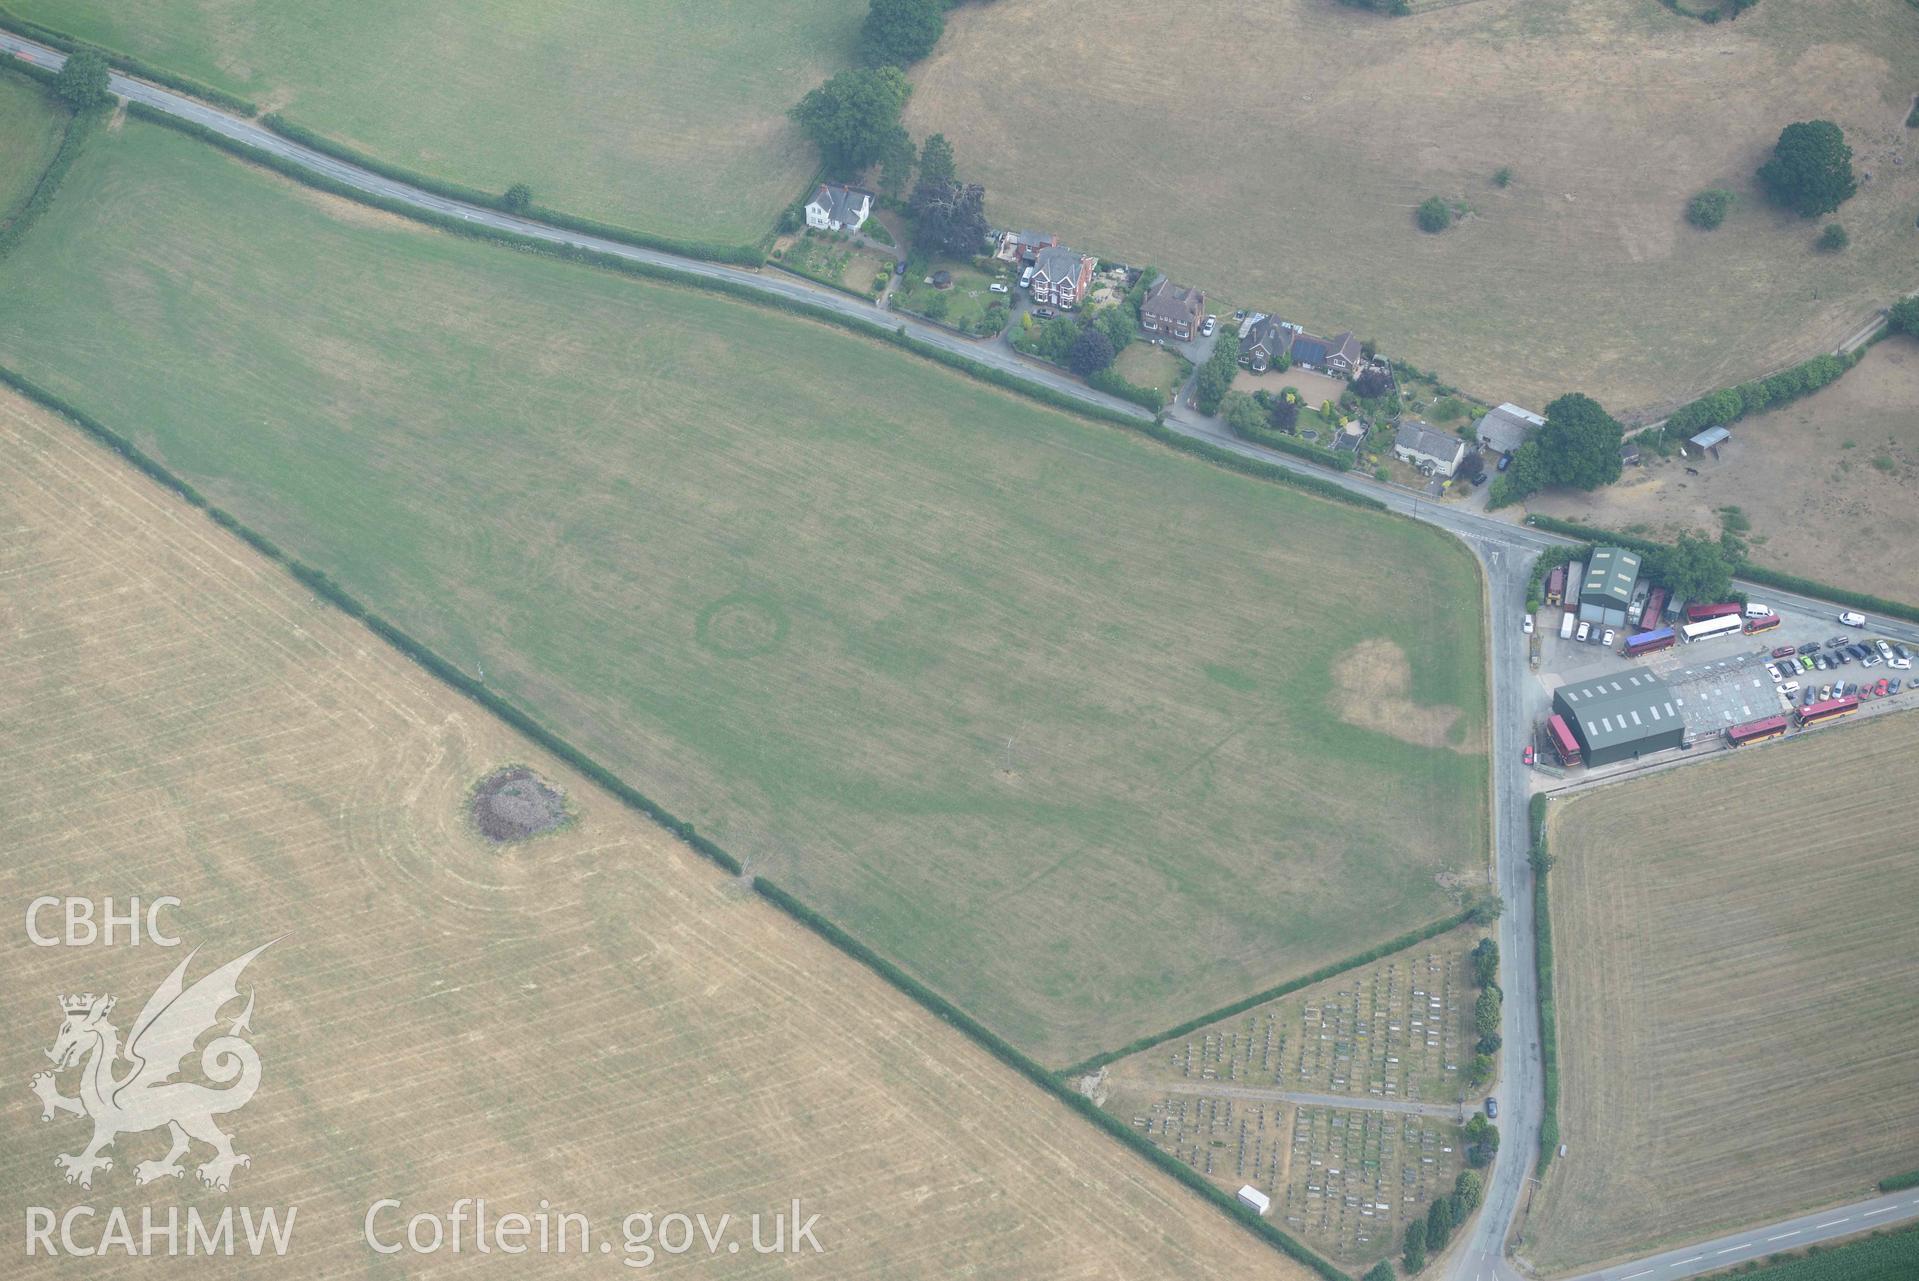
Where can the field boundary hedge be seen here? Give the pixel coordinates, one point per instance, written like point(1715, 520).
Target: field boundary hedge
point(1285, 444)
point(1543, 981)
point(127, 62)
point(1000, 378)
point(1409, 939)
point(1745, 569)
point(323, 586)
point(739, 255)
point(80, 127)
point(1900, 1182)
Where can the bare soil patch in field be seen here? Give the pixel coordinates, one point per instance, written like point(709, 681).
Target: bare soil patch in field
point(1374, 677)
point(1279, 150)
point(604, 1021)
point(1827, 482)
point(1734, 974)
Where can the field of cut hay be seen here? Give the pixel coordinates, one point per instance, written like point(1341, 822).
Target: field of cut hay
point(1278, 150)
point(1825, 483)
point(594, 1018)
point(667, 117)
point(1039, 709)
point(1734, 974)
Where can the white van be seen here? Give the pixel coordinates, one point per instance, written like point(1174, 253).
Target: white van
point(1585, 630)
point(1566, 626)
point(1026, 278)
point(1852, 619)
point(1755, 610)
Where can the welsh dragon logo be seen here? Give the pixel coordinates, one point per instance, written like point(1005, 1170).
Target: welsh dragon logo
point(145, 1096)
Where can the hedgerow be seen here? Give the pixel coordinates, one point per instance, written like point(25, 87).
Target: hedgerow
point(79, 128)
point(1240, 1006)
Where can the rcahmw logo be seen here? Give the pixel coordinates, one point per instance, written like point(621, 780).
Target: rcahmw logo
point(130, 1088)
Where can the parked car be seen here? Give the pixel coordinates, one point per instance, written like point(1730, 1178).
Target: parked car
point(1885, 648)
point(1492, 1108)
point(1775, 674)
point(1480, 479)
point(1789, 689)
point(996, 287)
point(1900, 651)
point(1784, 651)
point(1527, 755)
point(1838, 642)
point(1853, 618)
point(1872, 661)
point(1811, 696)
point(1892, 686)
point(1206, 329)
point(1527, 626)
point(1825, 692)
point(1901, 663)
point(1822, 663)
point(1883, 688)
point(1810, 647)
point(1505, 461)
point(1025, 277)
point(1842, 657)
point(1045, 313)
point(1806, 663)
point(1607, 640)
point(1585, 630)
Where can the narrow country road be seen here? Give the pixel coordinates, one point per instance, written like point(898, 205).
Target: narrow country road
point(1506, 551)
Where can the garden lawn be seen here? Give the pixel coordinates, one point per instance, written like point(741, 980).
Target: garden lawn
point(666, 117)
point(1053, 716)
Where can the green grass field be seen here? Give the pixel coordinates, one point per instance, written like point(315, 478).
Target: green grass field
point(1065, 722)
point(31, 126)
point(667, 117)
point(1288, 144)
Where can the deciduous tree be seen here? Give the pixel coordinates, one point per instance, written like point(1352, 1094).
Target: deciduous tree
point(82, 82)
point(1091, 352)
point(949, 219)
point(900, 32)
point(518, 198)
point(1811, 168)
point(854, 118)
point(1580, 443)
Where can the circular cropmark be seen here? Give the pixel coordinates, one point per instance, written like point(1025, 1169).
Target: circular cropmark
point(743, 625)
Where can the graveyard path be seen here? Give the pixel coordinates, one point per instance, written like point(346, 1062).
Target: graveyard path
point(1258, 1094)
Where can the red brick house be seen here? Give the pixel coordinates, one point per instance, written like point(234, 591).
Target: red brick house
point(1061, 276)
point(1173, 311)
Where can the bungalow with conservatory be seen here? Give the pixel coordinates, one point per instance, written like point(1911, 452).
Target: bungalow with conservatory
point(834, 207)
point(1172, 311)
point(1061, 276)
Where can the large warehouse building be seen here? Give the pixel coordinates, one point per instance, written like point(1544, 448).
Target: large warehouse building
point(1622, 716)
point(1606, 591)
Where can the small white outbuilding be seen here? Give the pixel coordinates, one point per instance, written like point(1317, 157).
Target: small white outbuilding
point(1254, 1199)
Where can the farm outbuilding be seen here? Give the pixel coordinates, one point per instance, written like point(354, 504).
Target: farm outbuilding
point(1621, 716)
point(1605, 593)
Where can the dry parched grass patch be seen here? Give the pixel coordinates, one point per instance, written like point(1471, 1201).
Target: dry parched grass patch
point(1373, 678)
